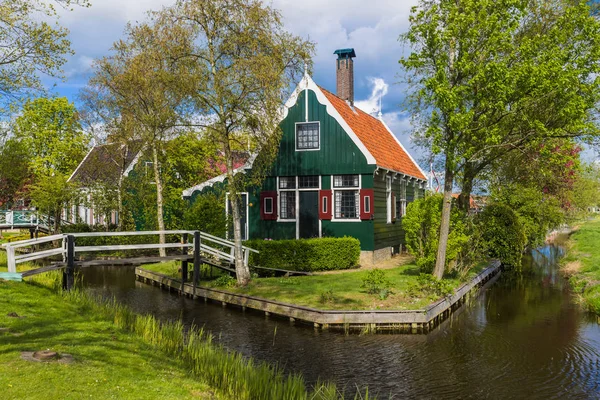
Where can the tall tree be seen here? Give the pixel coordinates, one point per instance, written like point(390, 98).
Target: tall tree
point(30, 45)
point(15, 172)
point(49, 130)
point(245, 63)
point(143, 81)
point(490, 76)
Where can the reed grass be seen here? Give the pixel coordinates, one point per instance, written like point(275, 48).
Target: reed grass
point(228, 371)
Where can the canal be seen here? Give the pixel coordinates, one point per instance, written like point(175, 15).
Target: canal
point(522, 338)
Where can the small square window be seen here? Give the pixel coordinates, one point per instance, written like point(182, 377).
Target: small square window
point(307, 136)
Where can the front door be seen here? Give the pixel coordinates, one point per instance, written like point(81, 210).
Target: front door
point(309, 214)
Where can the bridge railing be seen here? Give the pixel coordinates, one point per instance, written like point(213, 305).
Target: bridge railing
point(33, 254)
point(27, 218)
point(216, 249)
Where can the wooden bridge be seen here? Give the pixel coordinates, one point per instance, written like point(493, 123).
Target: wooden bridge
point(203, 248)
point(26, 219)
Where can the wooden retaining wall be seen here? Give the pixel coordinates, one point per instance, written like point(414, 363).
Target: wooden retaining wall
point(410, 321)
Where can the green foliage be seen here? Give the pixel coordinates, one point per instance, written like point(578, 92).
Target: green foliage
point(207, 214)
point(319, 254)
point(493, 77)
point(537, 213)
point(327, 296)
point(422, 228)
point(430, 286)
point(49, 129)
point(31, 46)
point(14, 171)
point(226, 281)
point(376, 282)
point(503, 234)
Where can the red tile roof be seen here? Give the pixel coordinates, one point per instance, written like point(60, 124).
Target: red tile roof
point(377, 139)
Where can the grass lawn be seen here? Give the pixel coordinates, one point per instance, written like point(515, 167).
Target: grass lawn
point(582, 263)
point(339, 291)
point(119, 354)
point(108, 362)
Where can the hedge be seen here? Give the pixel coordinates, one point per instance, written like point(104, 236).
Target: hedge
point(319, 254)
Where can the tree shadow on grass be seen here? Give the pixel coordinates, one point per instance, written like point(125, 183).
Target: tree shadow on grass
point(411, 271)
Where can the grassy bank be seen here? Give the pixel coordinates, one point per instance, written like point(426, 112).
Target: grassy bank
point(108, 362)
point(119, 354)
point(582, 263)
point(340, 291)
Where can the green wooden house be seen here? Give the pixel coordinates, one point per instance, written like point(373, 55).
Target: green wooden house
point(339, 172)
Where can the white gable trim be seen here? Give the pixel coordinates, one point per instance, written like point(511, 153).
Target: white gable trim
point(189, 192)
point(403, 149)
point(133, 162)
point(308, 84)
point(81, 163)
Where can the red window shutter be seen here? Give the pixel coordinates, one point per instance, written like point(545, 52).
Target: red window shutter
point(268, 205)
point(325, 205)
point(394, 210)
point(366, 203)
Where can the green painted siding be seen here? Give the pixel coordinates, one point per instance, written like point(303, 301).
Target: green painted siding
point(337, 155)
point(362, 230)
point(389, 234)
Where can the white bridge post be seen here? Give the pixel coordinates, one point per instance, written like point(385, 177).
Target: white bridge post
point(10, 255)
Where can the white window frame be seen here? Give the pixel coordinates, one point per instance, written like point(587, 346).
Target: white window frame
point(388, 197)
point(402, 196)
point(279, 197)
point(296, 135)
point(297, 191)
point(265, 205)
point(336, 189)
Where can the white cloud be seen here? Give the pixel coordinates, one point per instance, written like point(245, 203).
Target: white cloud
point(372, 104)
point(371, 28)
point(399, 123)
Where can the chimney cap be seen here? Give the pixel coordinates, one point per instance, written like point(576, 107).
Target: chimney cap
point(345, 53)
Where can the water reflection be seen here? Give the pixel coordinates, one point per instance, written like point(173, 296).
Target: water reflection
point(523, 338)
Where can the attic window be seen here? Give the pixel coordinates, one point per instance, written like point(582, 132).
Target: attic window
point(307, 136)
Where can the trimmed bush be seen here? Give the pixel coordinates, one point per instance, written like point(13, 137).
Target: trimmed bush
point(319, 254)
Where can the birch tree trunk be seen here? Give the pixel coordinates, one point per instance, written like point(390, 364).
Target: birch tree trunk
point(440, 261)
point(159, 199)
point(242, 271)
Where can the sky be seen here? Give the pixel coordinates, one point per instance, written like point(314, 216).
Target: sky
point(372, 28)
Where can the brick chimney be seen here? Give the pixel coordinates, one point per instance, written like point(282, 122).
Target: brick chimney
point(345, 74)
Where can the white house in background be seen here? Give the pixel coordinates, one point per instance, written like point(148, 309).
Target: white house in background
point(106, 163)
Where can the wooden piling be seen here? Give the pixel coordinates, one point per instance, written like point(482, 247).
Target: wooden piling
point(69, 271)
point(184, 262)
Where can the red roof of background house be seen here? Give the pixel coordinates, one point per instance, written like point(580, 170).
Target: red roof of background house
point(376, 138)
point(472, 203)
